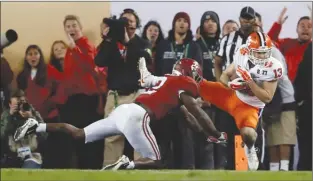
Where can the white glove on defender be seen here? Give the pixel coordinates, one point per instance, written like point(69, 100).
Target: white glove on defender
point(144, 73)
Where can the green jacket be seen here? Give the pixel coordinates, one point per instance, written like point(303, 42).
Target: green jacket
point(9, 124)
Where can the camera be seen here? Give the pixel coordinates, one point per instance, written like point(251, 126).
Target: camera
point(117, 28)
point(8, 38)
point(23, 106)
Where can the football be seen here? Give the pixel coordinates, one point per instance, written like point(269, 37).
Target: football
point(234, 76)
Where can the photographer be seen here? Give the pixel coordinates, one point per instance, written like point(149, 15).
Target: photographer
point(120, 51)
point(23, 153)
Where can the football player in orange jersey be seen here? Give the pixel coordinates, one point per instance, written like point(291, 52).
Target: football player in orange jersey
point(245, 87)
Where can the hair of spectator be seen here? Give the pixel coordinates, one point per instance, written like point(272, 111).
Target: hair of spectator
point(303, 18)
point(72, 17)
point(53, 60)
point(41, 75)
point(155, 23)
point(133, 12)
point(17, 93)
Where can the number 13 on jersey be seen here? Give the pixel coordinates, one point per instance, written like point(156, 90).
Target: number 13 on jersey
point(278, 72)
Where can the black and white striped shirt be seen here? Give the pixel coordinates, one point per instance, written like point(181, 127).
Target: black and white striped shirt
point(228, 46)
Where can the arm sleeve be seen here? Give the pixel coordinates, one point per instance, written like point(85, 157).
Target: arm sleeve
point(86, 59)
point(104, 54)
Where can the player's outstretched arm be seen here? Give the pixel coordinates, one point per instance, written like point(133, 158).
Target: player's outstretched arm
point(201, 117)
point(146, 80)
point(229, 72)
point(191, 120)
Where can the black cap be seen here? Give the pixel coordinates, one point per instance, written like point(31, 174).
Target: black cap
point(247, 13)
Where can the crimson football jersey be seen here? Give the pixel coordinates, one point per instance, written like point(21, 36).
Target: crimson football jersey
point(164, 96)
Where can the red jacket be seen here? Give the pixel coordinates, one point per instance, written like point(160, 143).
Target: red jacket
point(41, 97)
point(291, 48)
point(79, 68)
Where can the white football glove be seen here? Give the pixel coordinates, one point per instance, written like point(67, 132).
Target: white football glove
point(237, 84)
point(144, 72)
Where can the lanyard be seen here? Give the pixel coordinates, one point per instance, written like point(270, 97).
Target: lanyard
point(203, 41)
point(185, 55)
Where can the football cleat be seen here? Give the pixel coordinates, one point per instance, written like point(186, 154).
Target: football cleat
point(120, 164)
point(253, 161)
point(28, 128)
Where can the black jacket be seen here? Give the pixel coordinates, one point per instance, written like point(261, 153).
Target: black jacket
point(165, 56)
point(303, 81)
point(209, 48)
point(123, 75)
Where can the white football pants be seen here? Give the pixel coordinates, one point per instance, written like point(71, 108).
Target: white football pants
point(132, 121)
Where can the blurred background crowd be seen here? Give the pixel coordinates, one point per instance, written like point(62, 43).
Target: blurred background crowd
point(81, 82)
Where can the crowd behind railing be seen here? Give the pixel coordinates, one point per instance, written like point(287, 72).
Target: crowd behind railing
point(82, 83)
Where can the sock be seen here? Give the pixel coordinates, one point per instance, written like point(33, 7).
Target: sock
point(284, 165)
point(274, 166)
point(131, 165)
point(41, 128)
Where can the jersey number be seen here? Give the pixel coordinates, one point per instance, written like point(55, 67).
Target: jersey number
point(153, 89)
point(278, 72)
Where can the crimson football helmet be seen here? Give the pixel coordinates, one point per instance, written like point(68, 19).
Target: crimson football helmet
point(188, 67)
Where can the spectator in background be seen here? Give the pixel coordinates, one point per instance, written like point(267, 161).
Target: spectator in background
point(292, 48)
point(121, 59)
point(178, 45)
point(57, 54)
point(208, 41)
point(26, 152)
point(82, 89)
point(303, 87)
point(66, 159)
point(229, 26)
point(279, 117)
point(6, 79)
point(40, 83)
point(153, 33)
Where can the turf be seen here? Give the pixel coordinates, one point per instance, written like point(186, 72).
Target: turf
point(77, 175)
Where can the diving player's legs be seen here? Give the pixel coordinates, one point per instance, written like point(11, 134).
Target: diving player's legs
point(93, 132)
point(138, 133)
point(246, 118)
point(216, 93)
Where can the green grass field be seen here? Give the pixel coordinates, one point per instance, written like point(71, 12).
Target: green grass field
point(77, 175)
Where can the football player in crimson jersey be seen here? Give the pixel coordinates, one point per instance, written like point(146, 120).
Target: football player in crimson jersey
point(132, 120)
point(255, 73)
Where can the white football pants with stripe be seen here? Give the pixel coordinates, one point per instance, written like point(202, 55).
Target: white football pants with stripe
point(132, 121)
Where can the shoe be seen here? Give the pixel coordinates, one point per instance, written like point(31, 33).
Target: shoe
point(28, 128)
point(221, 140)
point(120, 164)
point(253, 160)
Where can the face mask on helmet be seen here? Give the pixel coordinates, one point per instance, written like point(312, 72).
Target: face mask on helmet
point(259, 56)
point(187, 67)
